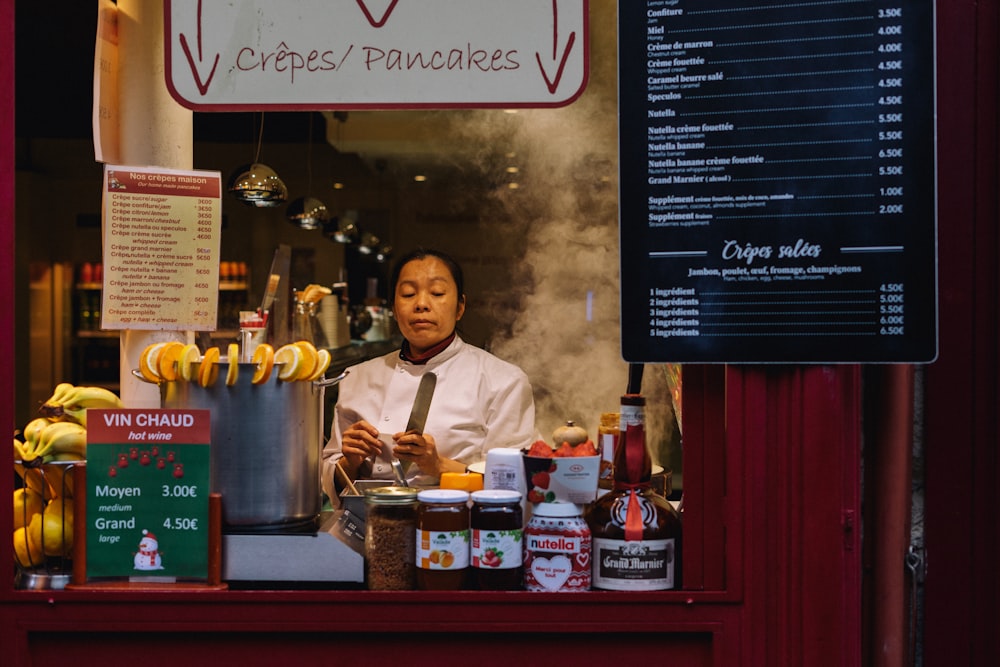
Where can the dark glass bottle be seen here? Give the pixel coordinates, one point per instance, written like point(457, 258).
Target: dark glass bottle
point(636, 533)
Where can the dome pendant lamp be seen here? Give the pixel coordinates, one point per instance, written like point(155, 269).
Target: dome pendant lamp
point(257, 184)
point(308, 212)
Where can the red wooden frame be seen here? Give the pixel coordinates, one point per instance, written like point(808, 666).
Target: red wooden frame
point(771, 553)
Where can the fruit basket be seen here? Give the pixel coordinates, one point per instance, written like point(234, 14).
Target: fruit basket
point(45, 452)
point(43, 524)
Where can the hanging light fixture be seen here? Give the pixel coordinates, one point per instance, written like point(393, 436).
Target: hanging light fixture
point(257, 184)
point(344, 228)
point(308, 212)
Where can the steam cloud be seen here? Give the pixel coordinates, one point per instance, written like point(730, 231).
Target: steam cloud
point(565, 332)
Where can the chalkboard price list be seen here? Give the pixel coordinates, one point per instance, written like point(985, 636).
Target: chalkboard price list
point(777, 181)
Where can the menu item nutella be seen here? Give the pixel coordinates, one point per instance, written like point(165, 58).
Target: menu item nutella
point(557, 549)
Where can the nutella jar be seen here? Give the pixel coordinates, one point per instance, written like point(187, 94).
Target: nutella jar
point(557, 549)
point(442, 550)
point(497, 540)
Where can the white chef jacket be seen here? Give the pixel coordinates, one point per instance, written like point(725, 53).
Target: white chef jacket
point(480, 402)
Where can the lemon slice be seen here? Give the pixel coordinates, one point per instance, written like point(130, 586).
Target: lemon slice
point(208, 373)
point(189, 355)
point(148, 363)
point(323, 359)
point(263, 356)
point(290, 361)
point(167, 358)
point(309, 359)
point(234, 364)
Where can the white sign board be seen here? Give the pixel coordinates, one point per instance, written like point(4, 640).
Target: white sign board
point(365, 54)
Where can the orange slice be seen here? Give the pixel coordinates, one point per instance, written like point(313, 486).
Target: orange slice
point(310, 359)
point(166, 360)
point(147, 362)
point(189, 355)
point(263, 356)
point(290, 361)
point(208, 373)
point(234, 364)
point(323, 359)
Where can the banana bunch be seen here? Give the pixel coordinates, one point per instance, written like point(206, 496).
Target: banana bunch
point(52, 441)
point(70, 403)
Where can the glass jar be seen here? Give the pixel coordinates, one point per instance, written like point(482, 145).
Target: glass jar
point(557, 549)
point(497, 540)
point(390, 538)
point(442, 549)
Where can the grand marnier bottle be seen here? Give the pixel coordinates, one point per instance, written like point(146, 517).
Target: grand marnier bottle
point(636, 533)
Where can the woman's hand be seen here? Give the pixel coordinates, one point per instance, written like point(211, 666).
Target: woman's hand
point(420, 449)
point(360, 442)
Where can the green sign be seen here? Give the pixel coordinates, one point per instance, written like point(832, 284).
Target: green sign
point(147, 493)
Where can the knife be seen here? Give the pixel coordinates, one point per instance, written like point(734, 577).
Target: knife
point(417, 420)
point(422, 403)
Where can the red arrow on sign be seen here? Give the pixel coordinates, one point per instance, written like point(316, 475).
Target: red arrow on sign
point(371, 19)
point(202, 87)
point(553, 83)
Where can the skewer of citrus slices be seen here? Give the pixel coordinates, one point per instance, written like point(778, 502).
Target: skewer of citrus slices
point(208, 372)
point(189, 355)
point(301, 361)
point(148, 362)
point(234, 364)
point(166, 360)
point(263, 358)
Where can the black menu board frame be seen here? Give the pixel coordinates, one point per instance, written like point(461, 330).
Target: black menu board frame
point(777, 181)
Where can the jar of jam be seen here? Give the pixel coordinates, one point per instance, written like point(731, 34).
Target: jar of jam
point(443, 533)
point(390, 538)
point(557, 549)
point(497, 540)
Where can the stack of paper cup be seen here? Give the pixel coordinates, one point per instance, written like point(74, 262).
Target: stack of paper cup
point(333, 321)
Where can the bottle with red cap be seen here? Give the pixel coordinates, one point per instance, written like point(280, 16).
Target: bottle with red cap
point(636, 532)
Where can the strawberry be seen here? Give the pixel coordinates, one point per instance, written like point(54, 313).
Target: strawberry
point(541, 449)
point(585, 449)
point(535, 496)
point(565, 449)
point(540, 479)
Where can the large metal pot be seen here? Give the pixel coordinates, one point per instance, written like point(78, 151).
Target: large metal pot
point(265, 450)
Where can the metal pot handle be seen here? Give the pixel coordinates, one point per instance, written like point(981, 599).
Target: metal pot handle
point(329, 382)
point(137, 373)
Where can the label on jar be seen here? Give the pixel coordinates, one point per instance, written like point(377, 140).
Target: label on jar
point(643, 565)
point(557, 555)
point(442, 549)
point(496, 549)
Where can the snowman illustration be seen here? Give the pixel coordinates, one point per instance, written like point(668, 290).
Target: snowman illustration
point(148, 556)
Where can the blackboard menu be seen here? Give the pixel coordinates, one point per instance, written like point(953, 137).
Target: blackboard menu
point(777, 169)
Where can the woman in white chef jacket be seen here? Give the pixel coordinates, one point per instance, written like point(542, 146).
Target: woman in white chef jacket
point(480, 402)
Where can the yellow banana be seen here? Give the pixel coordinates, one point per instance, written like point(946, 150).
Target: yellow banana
point(92, 397)
point(32, 477)
point(77, 401)
point(62, 432)
point(59, 393)
point(19, 450)
point(34, 427)
point(72, 442)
